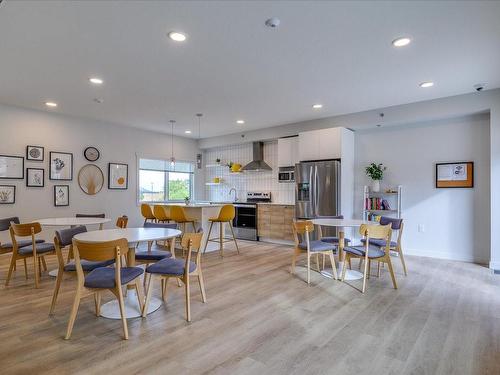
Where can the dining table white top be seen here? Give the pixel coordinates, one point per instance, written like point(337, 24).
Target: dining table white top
point(72, 221)
point(130, 234)
point(341, 222)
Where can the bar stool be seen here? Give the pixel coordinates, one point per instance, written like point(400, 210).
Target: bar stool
point(226, 215)
point(178, 215)
point(160, 213)
point(147, 213)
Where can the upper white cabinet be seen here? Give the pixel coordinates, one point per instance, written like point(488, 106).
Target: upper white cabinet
point(322, 144)
point(288, 151)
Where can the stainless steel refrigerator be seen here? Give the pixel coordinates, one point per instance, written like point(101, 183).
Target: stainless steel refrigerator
point(317, 190)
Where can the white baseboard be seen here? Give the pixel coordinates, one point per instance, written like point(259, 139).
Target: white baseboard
point(494, 265)
point(444, 255)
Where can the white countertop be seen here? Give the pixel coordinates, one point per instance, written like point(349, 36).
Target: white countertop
point(277, 203)
point(195, 205)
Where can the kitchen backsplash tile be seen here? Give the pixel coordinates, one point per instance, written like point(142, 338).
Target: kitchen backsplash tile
point(248, 181)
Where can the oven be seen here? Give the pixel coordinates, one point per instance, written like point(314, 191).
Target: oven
point(245, 221)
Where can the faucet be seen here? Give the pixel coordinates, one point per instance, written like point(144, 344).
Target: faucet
point(235, 194)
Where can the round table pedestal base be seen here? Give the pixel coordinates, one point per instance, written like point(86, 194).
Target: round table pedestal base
point(111, 310)
point(54, 273)
point(349, 274)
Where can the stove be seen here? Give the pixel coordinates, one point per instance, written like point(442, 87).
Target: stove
point(245, 220)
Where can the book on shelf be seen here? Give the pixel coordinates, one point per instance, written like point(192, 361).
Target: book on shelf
point(377, 204)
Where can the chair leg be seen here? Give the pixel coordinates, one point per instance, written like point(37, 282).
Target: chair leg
point(194, 227)
point(317, 262)
point(148, 295)
point(97, 302)
point(59, 277)
point(378, 269)
point(308, 268)
point(350, 265)
point(44, 264)
point(119, 295)
point(360, 263)
point(334, 267)
point(400, 251)
point(323, 265)
point(369, 268)
point(208, 237)
point(36, 265)
point(234, 237)
point(164, 288)
point(344, 266)
point(25, 268)
point(365, 276)
point(202, 286)
point(188, 299)
point(391, 270)
point(74, 311)
point(294, 260)
point(221, 244)
point(11, 268)
point(138, 291)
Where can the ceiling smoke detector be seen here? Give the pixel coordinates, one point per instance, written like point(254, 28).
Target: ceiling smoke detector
point(273, 22)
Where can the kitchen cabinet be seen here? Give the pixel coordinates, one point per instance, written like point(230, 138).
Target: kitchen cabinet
point(322, 144)
point(288, 154)
point(275, 221)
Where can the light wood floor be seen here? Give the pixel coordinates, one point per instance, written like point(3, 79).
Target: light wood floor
point(259, 319)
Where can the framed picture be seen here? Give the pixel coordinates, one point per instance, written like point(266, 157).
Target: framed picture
point(90, 179)
point(455, 175)
point(61, 195)
point(118, 176)
point(34, 153)
point(7, 194)
point(11, 167)
point(61, 166)
point(35, 177)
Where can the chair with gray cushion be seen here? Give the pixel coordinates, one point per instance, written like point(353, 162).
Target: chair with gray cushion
point(6, 247)
point(179, 269)
point(369, 253)
point(63, 239)
point(36, 250)
point(331, 239)
point(115, 279)
point(396, 225)
point(158, 253)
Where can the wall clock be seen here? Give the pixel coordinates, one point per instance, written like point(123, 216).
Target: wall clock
point(91, 153)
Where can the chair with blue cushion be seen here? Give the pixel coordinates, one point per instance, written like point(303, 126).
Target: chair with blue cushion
point(103, 278)
point(151, 256)
point(310, 248)
point(179, 269)
point(64, 238)
point(371, 253)
point(396, 225)
point(331, 239)
point(34, 249)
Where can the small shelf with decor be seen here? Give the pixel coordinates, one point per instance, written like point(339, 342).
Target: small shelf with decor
point(381, 203)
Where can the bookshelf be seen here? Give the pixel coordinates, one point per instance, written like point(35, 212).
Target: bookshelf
point(381, 203)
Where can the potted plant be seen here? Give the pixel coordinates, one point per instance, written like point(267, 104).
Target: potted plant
point(187, 200)
point(217, 161)
point(376, 173)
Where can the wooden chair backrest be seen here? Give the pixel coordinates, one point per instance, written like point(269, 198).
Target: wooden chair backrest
point(146, 211)
point(302, 228)
point(177, 214)
point(122, 222)
point(379, 232)
point(192, 242)
point(25, 230)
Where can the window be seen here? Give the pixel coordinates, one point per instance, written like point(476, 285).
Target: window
point(160, 182)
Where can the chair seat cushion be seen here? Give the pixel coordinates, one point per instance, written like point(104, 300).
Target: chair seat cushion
point(379, 243)
point(170, 266)
point(22, 243)
point(317, 245)
point(41, 248)
point(335, 240)
point(153, 255)
point(373, 252)
point(104, 277)
point(87, 265)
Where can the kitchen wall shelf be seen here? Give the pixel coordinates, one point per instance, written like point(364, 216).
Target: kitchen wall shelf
point(214, 183)
point(370, 198)
point(214, 165)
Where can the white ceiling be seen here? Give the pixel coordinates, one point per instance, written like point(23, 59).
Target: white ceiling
point(232, 66)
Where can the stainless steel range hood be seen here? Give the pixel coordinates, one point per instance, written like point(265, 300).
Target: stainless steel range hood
point(258, 163)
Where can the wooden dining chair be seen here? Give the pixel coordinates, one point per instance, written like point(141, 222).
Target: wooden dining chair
point(225, 216)
point(330, 239)
point(62, 240)
point(179, 269)
point(147, 213)
point(103, 278)
point(371, 253)
point(310, 248)
point(36, 249)
point(122, 222)
point(160, 213)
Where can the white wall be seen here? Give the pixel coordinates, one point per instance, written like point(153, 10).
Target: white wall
point(21, 127)
point(456, 221)
point(251, 181)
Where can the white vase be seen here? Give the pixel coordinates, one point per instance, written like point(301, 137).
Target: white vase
point(375, 186)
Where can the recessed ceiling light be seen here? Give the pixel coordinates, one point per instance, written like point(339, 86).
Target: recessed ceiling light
point(401, 42)
point(177, 36)
point(317, 106)
point(240, 121)
point(96, 81)
point(426, 84)
point(51, 104)
point(188, 132)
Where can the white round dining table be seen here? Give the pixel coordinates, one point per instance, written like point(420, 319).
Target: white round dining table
point(71, 222)
point(341, 224)
point(134, 236)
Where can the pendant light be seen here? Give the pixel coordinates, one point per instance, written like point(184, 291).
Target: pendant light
point(199, 115)
point(172, 158)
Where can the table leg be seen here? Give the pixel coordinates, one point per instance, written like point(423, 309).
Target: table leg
point(111, 310)
point(350, 274)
